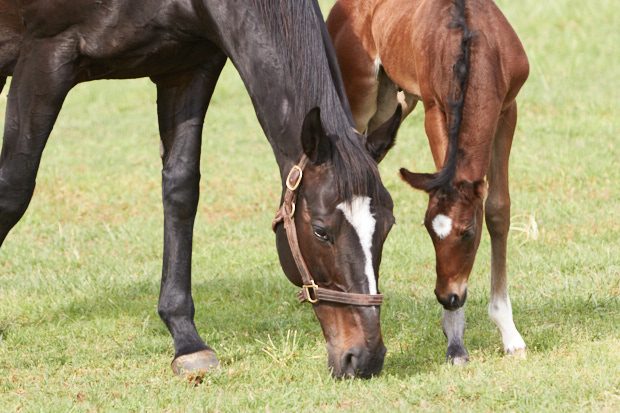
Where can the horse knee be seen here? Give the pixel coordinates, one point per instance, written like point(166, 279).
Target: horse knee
point(181, 192)
point(14, 200)
point(497, 216)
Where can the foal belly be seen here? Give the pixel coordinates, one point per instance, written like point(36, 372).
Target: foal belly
point(393, 36)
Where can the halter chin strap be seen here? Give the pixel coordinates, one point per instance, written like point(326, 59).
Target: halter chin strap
point(310, 291)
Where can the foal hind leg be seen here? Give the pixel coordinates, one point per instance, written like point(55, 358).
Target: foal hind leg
point(182, 101)
point(42, 78)
point(388, 99)
point(497, 216)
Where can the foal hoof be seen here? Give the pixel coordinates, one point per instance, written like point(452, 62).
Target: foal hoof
point(457, 355)
point(195, 365)
point(519, 353)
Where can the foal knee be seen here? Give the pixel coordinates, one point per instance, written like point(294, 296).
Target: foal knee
point(497, 216)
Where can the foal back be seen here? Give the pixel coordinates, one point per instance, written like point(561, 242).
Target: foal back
point(412, 43)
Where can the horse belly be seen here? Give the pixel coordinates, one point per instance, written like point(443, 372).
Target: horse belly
point(11, 30)
point(152, 58)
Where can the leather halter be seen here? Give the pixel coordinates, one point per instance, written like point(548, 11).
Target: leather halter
point(310, 291)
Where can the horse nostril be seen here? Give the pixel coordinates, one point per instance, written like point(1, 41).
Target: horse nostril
point(350, 362)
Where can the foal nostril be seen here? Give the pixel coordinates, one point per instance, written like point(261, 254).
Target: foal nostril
point(453, 300)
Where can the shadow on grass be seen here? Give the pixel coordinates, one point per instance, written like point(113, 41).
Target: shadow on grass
point(240, 309)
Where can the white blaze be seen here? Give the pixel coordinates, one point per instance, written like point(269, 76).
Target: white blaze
point(357, 213)
point(442, 225)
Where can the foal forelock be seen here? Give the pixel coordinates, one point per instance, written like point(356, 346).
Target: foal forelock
point(357, 213)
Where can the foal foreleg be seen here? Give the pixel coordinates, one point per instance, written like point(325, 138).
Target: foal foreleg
point(182, 103)
point(497, 215)
point(42, 78)
point(453, 325)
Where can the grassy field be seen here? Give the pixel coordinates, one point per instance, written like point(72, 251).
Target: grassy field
point(79, 275)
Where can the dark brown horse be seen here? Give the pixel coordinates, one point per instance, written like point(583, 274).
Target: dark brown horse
point(463, 60)
point(284, 56)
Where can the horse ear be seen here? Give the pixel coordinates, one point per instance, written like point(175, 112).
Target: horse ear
point(314, 141)
point(382, 139)
point(417, 180)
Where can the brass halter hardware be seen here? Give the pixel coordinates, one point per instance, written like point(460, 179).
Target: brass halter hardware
point(310, 291)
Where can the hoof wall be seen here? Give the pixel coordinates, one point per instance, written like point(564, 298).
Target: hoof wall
point(195, 365)
point(457, 355)
point(520, 353)
point(458, 361)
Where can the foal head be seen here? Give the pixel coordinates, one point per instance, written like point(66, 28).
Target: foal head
point(343, 215)
point(454, 221)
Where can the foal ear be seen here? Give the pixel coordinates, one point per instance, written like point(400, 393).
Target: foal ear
point(480, 189)
point(417, 180)
point(381, 140)
point(314, 140)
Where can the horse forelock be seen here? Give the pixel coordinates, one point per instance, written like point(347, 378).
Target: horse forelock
point(355, 172)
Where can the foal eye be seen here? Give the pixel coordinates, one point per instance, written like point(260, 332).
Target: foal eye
point(321, 234)
point(468, 234)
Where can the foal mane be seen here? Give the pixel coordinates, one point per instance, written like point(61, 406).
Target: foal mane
point(456, 102)
point(298, 26)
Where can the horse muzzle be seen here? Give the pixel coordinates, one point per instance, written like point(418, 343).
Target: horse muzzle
point(357, 361)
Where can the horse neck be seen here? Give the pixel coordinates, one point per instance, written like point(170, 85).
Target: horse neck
point(272, 69)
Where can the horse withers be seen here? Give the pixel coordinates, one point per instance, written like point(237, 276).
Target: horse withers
point(337, 211)
point(463, 60)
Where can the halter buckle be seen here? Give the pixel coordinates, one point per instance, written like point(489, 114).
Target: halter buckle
point(307, 288)
point(292, 186)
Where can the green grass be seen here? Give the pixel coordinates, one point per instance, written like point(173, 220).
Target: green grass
point(79, 275)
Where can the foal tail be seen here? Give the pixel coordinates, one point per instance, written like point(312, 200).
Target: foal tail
point(456, 102)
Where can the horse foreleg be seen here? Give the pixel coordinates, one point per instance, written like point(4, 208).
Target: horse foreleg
point(43, 76)
point(497, 215)
point(182, 101)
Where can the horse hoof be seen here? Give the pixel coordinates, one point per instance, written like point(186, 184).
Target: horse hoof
point(195, 365)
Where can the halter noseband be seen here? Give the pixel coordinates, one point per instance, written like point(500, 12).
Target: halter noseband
point(310, 291)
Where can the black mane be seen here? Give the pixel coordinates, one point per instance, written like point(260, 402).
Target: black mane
point(355, 171)
point(456, 102)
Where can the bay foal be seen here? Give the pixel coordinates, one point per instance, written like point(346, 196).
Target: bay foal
point(463, 60)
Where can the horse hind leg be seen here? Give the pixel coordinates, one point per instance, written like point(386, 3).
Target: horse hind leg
point(497, 216)
point(38, 89)
point(182, 101)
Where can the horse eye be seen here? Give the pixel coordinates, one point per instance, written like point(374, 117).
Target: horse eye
point(321, 233)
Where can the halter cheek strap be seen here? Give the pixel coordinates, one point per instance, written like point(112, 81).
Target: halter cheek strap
point(310, 291)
